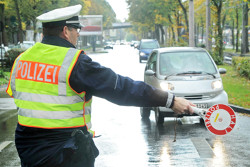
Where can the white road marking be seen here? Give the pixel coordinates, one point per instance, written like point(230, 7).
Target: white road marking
point(4, 144)
point(203, 148)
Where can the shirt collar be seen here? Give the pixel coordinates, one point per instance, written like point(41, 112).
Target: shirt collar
point(57, 41)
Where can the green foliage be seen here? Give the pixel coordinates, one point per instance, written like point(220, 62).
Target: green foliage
point(1, 74)
point(182, 43)
point(4, 77)
point(237, 87)
point(12, 55)
point(242, 65)
point(217, 58)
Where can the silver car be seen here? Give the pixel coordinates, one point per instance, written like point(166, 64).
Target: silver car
point(187, 72)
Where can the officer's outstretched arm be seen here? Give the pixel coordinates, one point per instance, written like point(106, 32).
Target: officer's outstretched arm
point(182, 106)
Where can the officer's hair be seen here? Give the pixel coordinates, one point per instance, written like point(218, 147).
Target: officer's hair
point(52, 31)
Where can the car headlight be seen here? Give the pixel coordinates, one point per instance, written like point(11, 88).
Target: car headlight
point(166, 86)
point(217, 84)
point(142, 54)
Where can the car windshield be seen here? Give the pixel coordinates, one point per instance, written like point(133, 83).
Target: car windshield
point(149, 45)
point(174, 63)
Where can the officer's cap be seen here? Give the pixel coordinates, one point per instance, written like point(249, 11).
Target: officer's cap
point(61, 17)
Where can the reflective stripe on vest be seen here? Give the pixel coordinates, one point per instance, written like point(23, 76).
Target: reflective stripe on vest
point(42, 92)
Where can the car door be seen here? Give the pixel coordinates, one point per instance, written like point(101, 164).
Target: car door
point(151, 65)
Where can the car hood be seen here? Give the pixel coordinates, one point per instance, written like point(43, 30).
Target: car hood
point(146, 51)
point(193, 86)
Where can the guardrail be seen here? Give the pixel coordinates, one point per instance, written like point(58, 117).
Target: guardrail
point(228, 56)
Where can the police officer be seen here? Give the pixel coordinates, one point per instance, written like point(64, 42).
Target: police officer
point(53, 83)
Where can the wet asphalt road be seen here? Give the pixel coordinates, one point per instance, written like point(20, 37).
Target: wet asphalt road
point(127, 140)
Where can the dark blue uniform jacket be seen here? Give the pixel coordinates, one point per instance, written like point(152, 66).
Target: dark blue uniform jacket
point(37, 146)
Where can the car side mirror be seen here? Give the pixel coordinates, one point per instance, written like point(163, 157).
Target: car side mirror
point(149, 73)
point(222, 70)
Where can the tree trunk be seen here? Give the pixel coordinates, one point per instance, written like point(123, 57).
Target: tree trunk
point(185, 14)
point(191, 23)
point(208, 24)
point(4, 37)
point(162, 33)
point(219, 38)
point(173, 35)
point(233, 36)
point(157, 36)
point(237, 30)
point(177, 16)
point(220, 35)
point(172, 28)
point(20, 30)
point(166, 35)
point(1, 22)
point(197, 32)
point(244, 40)
point(34, 28)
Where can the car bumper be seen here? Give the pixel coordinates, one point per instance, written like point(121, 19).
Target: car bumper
point(108, 47)
point(145, 57)
point(221, 98)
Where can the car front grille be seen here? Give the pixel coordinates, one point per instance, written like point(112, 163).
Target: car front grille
point(196, 97)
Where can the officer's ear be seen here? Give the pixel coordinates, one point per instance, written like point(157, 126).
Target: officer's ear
point(65, 33)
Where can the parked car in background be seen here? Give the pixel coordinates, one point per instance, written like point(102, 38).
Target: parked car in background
point(108, 45)
point(187, 72)
point(132, 43)
point(136, 44)
point(27, 44)
point(145, 47)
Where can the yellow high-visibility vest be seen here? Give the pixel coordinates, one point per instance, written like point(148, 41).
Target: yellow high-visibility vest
point(40, 86)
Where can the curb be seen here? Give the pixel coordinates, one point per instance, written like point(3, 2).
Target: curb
point(240, 109)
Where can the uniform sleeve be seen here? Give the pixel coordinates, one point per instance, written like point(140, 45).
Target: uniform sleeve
point(96, 80)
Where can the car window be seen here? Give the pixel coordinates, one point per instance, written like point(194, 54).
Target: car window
point(152, 62)
point(149, 45)
point(175, 62)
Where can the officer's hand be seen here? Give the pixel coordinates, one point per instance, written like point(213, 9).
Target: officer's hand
point(182, 106)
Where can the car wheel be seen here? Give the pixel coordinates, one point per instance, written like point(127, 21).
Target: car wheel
point(145, 112)
point(159, 117)
point(202, 121)
point(140, 60)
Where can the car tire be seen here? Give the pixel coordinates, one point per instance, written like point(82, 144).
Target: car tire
point(202, 121)
point(145, 112)
point(159, 117)
point(140, 60)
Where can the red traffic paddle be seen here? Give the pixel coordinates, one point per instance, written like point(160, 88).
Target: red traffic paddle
point(220, 119)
